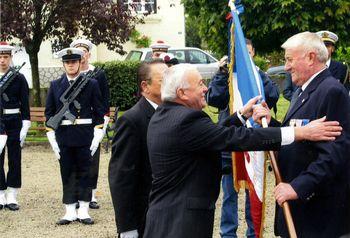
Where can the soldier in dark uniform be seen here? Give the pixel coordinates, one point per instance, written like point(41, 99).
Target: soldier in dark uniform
point(15, 117)
point(338, 69)
point(77, 141)
point(86, 46)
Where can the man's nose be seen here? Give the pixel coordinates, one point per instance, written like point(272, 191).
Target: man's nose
point(205, 89)
point(286, 66)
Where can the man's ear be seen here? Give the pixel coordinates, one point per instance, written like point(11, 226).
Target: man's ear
point(312, 56)
point(180, 93)
point(144, 86)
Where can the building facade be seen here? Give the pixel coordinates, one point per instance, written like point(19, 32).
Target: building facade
point(163, 20)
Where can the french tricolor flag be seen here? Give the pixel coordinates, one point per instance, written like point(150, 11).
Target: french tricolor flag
point(245, 83)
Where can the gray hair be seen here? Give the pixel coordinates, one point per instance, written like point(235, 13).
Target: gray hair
point(175, 78)
point(308, 41)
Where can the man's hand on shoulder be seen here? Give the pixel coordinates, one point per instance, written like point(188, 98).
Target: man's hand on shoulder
point(318, 130)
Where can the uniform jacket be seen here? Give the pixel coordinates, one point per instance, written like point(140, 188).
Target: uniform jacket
point(184, 146)
point(91, 107)
point(317, 170)
point(129, 168)
point(18, 94)
point(338, 70)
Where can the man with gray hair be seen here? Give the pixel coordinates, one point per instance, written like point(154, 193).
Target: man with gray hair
point(184, 147)
point(315, 173)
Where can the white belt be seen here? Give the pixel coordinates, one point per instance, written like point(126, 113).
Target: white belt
point(11, 111)
point(76, 122)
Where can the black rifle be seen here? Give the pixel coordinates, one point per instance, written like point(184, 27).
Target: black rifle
point(7, 79)
point(69, 97)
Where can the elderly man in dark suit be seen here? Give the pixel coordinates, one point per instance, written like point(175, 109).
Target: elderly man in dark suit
point(184, 146)
point(315, 173)
point(129, 169)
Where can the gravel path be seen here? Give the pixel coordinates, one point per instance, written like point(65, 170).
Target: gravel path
point(41, 205)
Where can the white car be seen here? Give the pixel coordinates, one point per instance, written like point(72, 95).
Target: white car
point(206, 64)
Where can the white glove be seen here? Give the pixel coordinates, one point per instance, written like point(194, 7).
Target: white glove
point(52, 139)
point(98, 136)
point(3, 139)
point(24, 131)
point(105, 124)
point(129, 234)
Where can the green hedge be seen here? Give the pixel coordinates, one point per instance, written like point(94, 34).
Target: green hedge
point(122, 82)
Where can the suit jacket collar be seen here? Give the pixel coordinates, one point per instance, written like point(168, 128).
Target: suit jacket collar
point(306, 94)
point(146, 107)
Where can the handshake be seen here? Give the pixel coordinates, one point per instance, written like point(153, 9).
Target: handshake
point(316, 130)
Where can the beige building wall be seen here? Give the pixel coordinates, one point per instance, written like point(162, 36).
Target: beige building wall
point(168, 24)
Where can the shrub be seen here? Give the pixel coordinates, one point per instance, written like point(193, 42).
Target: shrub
point(342, 54)
point(141, 41)
point(261, 62)
point(122, 82)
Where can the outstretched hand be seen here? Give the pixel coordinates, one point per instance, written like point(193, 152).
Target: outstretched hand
point(319, 130)
point(247, 110)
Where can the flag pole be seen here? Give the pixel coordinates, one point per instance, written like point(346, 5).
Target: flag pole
point(285, 205)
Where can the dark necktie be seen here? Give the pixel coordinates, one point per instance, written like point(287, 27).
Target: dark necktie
point(71, 82)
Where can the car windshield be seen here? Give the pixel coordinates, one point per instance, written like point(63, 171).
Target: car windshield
point(134, 55)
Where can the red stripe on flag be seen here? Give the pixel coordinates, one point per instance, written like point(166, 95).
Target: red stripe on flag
point(240, 173)
point(256, 206)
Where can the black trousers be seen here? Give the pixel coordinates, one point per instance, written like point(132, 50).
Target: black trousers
point(75, 164)
point(95, 164)
point(13, 179)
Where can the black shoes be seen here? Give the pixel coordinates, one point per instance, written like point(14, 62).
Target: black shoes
point(86, 221)
point(62, 222)
point(94, 205)
point(12, 207)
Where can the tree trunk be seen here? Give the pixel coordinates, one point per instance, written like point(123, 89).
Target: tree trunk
point(33, 58)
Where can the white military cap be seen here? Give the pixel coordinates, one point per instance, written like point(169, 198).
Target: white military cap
point(83, 43)
point(328, 36)
point(5, 48)
point(160, 46)
point(70, 54)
